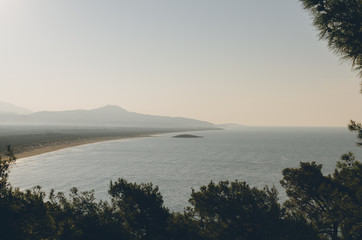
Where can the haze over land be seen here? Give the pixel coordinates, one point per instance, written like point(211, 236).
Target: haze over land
point(8, 108)
point(34, 133)
point(107, 116)
point(254, 62)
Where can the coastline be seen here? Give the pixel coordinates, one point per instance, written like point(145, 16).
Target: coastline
point(27, 141)
point(31, 150)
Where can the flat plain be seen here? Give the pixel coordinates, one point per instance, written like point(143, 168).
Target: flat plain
point(33, 140)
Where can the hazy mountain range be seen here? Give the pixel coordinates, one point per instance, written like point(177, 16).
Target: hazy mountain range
point(8, 108)
point(108, 116)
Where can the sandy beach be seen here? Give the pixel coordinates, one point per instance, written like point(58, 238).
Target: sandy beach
point(28, 141)
point(31, 150)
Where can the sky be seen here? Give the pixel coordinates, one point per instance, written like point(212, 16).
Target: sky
point(257, 63)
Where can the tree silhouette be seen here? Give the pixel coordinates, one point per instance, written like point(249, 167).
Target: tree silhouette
point(332, 204)
point(5, 167)
point(236, 211)
point(140, 207)
point(339, 22)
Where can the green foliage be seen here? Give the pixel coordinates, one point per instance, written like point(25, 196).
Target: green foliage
point(348, 175)
point(184, 226)
point(141, 209)
point(25, 215)
point(356, 127)
point(80, 217)
point(332, 204)
point(339, 22)
point(5, 168)
point(234, 210)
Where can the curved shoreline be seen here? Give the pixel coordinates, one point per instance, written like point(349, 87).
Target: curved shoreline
point(27, 141)
point(30, 151)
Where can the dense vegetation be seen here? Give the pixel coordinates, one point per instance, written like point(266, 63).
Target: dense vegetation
point(318, 207)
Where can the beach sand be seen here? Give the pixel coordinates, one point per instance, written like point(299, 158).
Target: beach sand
point(27, 141)
point(33, 150)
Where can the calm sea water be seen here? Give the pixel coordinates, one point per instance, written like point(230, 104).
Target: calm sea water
point(254, 155)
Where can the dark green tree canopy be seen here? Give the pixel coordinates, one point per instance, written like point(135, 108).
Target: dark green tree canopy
point(332, 204)
point(141, 208)
point(5, 163)
point(339, 22)
point(236, 211)
point(356, 127)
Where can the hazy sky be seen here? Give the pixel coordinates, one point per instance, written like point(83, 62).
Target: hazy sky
point(250, 62)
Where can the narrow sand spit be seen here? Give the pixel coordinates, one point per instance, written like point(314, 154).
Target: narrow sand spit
point(28, 141)
point(37, 149)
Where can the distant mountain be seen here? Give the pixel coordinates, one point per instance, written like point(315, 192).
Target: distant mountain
point(108, 116)
point(8, 108)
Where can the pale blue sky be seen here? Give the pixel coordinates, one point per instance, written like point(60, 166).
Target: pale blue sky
point(250, 62)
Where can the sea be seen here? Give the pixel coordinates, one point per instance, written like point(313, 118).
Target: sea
point(256, 155)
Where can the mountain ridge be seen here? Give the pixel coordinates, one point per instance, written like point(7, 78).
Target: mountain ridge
point(109, 115)
point(9, 108)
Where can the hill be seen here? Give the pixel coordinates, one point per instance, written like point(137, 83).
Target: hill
point(107, 116)
point(8, 108)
